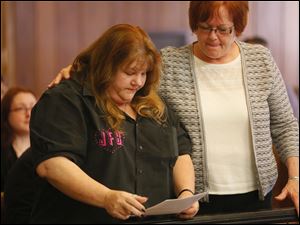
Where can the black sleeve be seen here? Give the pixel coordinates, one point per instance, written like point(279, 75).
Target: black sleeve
point(57, 126)
point(183, 138)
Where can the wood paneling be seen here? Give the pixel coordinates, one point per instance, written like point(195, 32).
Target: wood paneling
point(48, 35)
point(25, 44)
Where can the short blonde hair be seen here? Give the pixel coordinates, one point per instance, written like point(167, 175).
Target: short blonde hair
point(201, 11)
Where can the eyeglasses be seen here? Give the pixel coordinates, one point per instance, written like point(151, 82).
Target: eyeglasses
point(221, 30)
point(22, 109)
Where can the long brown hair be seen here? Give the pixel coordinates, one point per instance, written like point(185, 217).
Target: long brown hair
point(7, 133)
point(118, 47)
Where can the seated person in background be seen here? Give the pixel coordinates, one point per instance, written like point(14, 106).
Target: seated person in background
point(16, 108)
point(257, 40)
point(20, 190)
point(109, 147)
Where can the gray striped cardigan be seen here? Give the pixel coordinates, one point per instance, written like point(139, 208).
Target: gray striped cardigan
point(270, 113)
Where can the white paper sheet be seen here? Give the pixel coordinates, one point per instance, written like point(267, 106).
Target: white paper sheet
point(173, 206)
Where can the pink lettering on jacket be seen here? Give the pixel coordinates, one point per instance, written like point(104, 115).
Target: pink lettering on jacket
point(109, 138)
point(102, 139)
point(119, 138)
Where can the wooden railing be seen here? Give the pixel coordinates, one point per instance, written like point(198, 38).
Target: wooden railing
point(282, 215)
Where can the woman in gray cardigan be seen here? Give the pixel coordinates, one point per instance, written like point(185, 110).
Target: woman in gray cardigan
point(232, 99)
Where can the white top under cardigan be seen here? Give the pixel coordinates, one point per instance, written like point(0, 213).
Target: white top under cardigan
point(231, 168)
point(270, 114)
